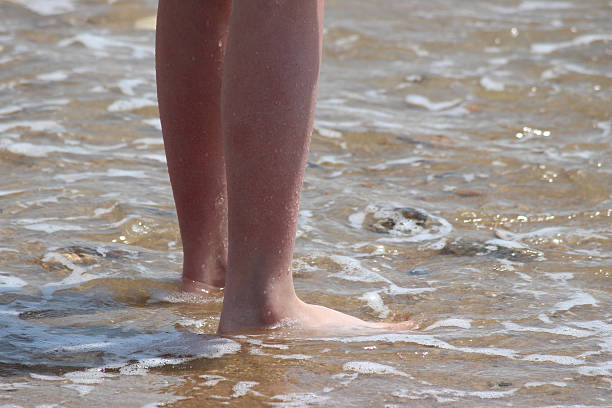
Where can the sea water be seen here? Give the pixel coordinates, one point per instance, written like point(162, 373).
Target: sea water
point(460, 175)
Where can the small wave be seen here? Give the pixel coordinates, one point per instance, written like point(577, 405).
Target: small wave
point(544, 5)
point(548, 48)
point(103, 43)
point(369, 367)
point(420, 100)
point(46, 7)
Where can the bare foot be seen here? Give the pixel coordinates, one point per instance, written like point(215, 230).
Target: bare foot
point(296, 316)
point(322, 319)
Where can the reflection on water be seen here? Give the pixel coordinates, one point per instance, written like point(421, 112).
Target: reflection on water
point(459, 174)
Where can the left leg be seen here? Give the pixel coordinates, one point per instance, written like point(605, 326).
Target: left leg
point(190, 47)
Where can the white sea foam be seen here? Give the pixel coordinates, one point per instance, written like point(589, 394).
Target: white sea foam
point(560, 330)
point(46, 7)
point(293, 356)
point(599, 369)
point(128, 85)
point(10, 283)
point(154, 122)
point(547, 48)
point(211, 380)
point(547, 232)
point(77, 276)
point(463, 323)
point(444, 395)
point(267, 345)
point(298, 400)
point(53, 76)
point(102, 43)
point(376, 303)
point(563, 360)
point(131, 104)
point(34, 125)
point(10, 192)
point(50, 228)
point(90, 376)
point(420, 100)
point(539, 384)
point(425, 340)
point(80, 388)
point(435, 232)
point(578, 299)
point(142, 367)
point(150, 141)
point(369, 367)
point(544, 5)
point(413, 160)
point(330, 133)
point(491, 85)
point(38, 150)
point(353, 270)
point(7, 110)
point(47, 377)
point(243, 388)
point(139, 174)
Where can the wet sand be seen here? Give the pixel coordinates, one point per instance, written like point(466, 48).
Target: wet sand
point(459, 175)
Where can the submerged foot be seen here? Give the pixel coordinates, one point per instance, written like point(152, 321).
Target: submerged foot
point(297, 316)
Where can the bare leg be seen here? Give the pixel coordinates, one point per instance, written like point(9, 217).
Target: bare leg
point(268, 99)
point(190, 47)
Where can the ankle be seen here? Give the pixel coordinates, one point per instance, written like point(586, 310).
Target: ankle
point(211, 273)
point(257, 308)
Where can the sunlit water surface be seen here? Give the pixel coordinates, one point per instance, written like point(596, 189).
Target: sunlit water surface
point(460, 174)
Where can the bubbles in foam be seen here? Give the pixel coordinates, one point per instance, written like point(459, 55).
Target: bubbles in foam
point(10, 283)
point(369, 367)
point(462, 323)
point(47, 8)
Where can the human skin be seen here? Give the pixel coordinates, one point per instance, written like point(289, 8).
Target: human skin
point(256, 98)
point(190, 47)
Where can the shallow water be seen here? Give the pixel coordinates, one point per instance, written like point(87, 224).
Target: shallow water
point(460, 174)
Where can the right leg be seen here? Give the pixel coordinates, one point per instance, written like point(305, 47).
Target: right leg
point(190, 47)
point(270, 80)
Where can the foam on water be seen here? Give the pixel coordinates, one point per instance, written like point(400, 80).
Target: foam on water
point(115, 349)
point(102, 44)
point(10, 283)
point(47, 8)
point(425, 340)
point(563, 360)
point(127, 86)
point(34, 125)
point(422, 101)
point(131, 104)
point(376, 303)
point(462, 323)
point(577, 299)
point(353, 270)
point(298, 400)
point(544, 5)
point(451, 395)
point(155, 123)
point(563, 330)
point(548, 48)
point(491, 85)
point(370, 367)
point(495, 140)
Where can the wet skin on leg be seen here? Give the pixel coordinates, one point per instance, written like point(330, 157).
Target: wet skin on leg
point(269, 81)
point(190, 48)
point(269, 89)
